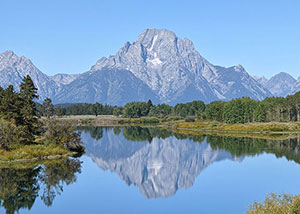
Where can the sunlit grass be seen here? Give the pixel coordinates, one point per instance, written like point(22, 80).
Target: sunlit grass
point(247, 127)
point(36, 152)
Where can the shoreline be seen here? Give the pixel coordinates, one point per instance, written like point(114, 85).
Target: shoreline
point(36, 159)
point(34, 153)
point(267, 128)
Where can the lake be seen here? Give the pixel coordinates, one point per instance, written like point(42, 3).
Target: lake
point(148, 170)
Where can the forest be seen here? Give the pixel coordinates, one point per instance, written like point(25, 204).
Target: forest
point(240, 110)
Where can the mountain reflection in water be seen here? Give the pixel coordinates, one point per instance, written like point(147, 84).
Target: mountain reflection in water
point(160, 162)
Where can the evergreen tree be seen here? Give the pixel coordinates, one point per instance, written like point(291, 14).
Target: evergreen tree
point(29, 112)
point(48, 108)
point(11, 105)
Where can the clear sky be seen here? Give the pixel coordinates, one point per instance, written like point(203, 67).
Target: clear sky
point(69, 36)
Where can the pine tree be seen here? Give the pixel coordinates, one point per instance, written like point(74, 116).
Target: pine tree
point(29, 112)
point(10, 106)
point(48, 108)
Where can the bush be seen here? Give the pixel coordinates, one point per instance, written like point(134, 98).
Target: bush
point(11, 135)
point(277, 204)
point(62, 133)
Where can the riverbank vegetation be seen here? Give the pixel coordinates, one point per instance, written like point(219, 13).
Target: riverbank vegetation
point(277, 204)
point(23, 135)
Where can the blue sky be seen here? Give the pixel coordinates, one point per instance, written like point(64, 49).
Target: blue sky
point(69, 36)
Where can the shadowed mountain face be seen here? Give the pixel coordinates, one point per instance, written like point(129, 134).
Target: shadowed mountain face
point(116, 87)
point(159, 168)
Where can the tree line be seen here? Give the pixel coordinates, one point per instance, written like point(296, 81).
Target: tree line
point(240, 110)
point(76, 109)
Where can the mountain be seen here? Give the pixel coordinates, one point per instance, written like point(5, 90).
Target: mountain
point(176, 72)
point(235, 82)
point(157, 169)
point(159, 66)
point(64, 79)
point(261, 80)
point(14, 68)
point(281, 84)
point(297, 86)
point(116, 87)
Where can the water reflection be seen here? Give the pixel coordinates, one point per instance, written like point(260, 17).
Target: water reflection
point(288, 148)
point(160, 162)
point(155, 161)
point(19, 187)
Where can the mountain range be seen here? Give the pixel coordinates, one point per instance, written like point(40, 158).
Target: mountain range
point(159, 66)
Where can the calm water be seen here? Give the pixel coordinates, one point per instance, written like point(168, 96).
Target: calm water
point(139, 170)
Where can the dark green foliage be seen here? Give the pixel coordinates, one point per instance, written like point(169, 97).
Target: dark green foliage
point(260, 112)
point(117, 111)
point(214, 111)
point(29, 112)
point(20, 124)
point(136, 109)
point(83, 109)
point(20, 110)
point(189, 109)
point(239, 110)
point(11, 105)
point(48, 108)
point(161, 110)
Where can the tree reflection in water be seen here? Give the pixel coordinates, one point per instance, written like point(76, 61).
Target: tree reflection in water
point(20, 187)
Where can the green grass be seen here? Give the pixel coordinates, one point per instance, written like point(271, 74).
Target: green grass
point(33, 152)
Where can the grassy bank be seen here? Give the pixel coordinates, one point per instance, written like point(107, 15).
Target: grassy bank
point(262, 128)
point(30, 153)
point(108, 120)
point(175, 124)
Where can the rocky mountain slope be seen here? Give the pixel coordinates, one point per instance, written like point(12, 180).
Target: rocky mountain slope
point(14, 68)
point(176, 72)
point(281, 84)
point(158, 66)
point(115, 87)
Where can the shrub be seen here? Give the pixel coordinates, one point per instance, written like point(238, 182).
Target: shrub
point(62, 133)
point(277, 204)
